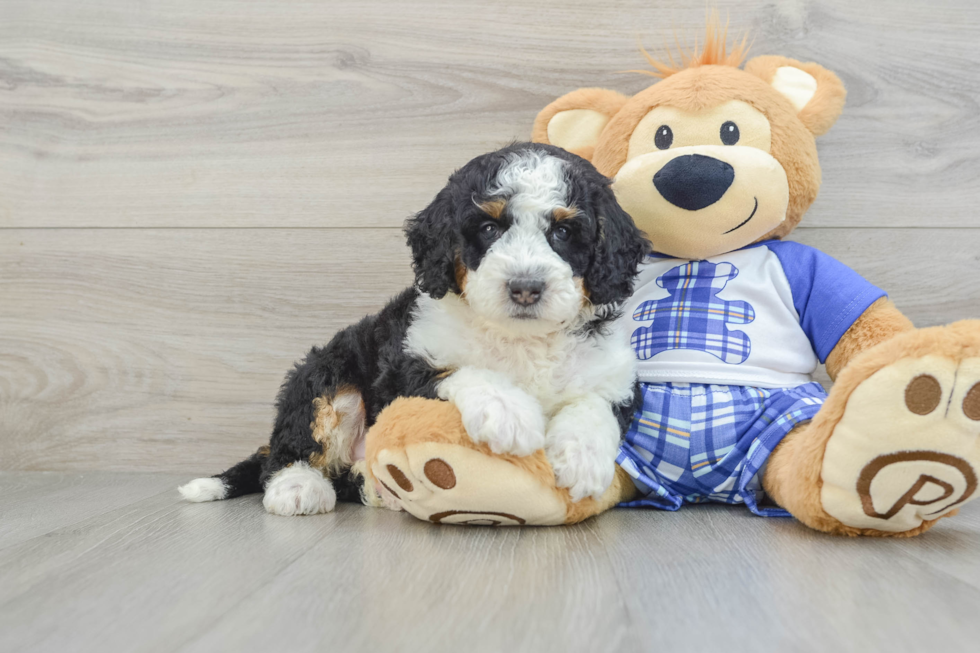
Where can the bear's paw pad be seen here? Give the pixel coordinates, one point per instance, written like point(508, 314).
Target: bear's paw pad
point(450, 484)
point(907, 448)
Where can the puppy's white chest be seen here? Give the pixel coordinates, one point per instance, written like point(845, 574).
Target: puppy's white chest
point(446, 339)
point(551, 368)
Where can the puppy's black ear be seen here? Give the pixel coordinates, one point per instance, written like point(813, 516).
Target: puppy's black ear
point(434, 240)
point(619, 250)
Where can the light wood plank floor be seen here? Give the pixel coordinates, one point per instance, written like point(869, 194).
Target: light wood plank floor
point(116, 562)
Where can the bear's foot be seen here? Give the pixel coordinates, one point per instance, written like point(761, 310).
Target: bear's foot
point(905, 450)
point(452, 484)
point(421, 460)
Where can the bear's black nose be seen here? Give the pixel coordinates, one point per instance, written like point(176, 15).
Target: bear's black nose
point(694, 181)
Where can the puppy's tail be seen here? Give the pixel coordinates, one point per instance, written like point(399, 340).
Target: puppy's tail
point(241, 479)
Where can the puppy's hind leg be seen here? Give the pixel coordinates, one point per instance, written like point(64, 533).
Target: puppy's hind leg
point(316, 428)
point(338, 426)
point(299, 490)
point(303, 488)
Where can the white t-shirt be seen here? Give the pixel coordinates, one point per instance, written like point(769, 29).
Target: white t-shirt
point(761, 316)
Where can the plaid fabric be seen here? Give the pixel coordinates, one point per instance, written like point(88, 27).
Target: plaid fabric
point(699, 443)
point(693, 317)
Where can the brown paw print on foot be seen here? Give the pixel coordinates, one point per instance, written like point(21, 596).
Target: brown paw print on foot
point(451, 484)
point(907, 448)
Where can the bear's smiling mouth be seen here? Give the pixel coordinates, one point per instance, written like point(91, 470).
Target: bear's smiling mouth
point(746, 221)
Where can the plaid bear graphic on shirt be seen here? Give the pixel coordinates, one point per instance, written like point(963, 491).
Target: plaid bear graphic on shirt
point(693, 316)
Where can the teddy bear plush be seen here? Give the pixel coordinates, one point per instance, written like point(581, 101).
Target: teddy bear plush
point(717, 163)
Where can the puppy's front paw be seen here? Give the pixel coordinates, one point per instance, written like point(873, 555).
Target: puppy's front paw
point(508, 419)
point(582, 442)
point(495, 411)
point(583, 469)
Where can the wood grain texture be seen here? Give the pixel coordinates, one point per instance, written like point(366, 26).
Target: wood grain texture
point(352, 112)
point(162, 349)
point(779, 586)
point(145, 576)
point(35, 503)
point(136, 349)
point(163, 575)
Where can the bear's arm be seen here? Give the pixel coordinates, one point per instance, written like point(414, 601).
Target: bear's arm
point(878, 323)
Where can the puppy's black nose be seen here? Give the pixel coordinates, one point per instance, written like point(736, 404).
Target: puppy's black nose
point(694, 181)
point(525, 291)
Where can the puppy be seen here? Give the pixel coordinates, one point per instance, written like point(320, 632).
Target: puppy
point(520, 262)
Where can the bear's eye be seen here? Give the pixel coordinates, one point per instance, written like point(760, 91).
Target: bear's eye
point(729, 133)
point(664, 137)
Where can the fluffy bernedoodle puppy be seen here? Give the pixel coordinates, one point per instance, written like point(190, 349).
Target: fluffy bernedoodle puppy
point(521, 263)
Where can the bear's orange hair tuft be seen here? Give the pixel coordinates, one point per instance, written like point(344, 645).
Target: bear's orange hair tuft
point(715, 52)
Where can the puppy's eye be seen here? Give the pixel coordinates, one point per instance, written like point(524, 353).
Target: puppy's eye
point(561, 232)
point(489, 230)
point(729, 133)
point(664, 137)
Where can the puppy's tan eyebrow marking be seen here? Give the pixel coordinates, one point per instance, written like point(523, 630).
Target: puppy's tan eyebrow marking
point(565, 212)
point(493, 208)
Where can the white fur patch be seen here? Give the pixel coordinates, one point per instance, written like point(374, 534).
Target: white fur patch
point(555, 369)
point(495, 411)
point(203, 489)
point(299, 490)
point(534, 183)
point(582, 443)
point(559, 372)
point(798, 86)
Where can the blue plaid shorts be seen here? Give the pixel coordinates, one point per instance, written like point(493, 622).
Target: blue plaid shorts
point(698, 443)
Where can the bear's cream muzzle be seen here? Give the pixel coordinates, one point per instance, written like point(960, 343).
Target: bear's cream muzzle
point(698, 201)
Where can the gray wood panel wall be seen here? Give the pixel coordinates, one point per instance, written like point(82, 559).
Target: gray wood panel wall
point(194, 192)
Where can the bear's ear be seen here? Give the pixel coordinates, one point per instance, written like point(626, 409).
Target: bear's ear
point(816, 93)
point(574, 121)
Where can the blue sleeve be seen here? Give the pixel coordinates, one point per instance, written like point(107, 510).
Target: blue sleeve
point(828, 295)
